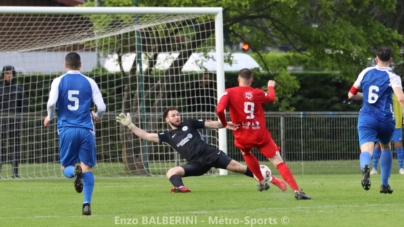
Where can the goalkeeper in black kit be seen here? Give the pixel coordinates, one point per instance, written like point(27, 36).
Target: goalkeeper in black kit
point(186, 140)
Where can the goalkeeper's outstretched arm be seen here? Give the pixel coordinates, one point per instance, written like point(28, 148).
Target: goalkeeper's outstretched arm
point(218, 124)
point(126, 120)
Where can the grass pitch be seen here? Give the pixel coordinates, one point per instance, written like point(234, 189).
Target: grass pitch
point(338, 200)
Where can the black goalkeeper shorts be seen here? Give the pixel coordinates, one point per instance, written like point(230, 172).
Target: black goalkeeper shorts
point(198, 168)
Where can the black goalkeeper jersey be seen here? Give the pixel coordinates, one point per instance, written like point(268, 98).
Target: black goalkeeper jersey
point(187, 141)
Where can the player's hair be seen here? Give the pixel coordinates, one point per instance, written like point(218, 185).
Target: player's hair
point(245, 74)
point(8, 68)
point(73, 60)
point(206, 73)
point(165, 113)
point(384, 53)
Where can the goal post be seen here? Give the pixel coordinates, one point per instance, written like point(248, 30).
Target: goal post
point(177, 46)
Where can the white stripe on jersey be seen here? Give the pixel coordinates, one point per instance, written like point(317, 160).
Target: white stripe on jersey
point(395, 80)
point(54, 95)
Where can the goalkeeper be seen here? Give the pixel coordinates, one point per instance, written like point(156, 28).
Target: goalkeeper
point(186, 140)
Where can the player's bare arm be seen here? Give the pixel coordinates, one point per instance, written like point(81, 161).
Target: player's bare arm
point(400, 95)
point(213, 124)
point(354, 93)
point(126, 120)
point(218, 124)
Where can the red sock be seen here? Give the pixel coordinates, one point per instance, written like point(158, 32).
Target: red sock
point(287, 176)
point(253, 165)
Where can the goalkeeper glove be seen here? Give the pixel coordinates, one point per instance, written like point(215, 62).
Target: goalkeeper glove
point(125, 120)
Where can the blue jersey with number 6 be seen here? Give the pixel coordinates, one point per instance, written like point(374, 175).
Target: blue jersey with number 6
point(377, 86)
point(376, 118)
point(74, 93)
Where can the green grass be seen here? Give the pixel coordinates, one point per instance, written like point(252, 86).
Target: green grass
point(114, 169)
point(338, 200)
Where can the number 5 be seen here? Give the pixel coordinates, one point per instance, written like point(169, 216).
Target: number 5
point(75, 100)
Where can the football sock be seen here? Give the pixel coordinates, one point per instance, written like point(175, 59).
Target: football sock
point(274, 179)
point(69, 171)
point(88, 186)
point(253, 165)
point(400, 157)
point(287, 176)
point(176, 180)
point(248, 172)
point(376, 157)
point(364, 159)
point(386, 159)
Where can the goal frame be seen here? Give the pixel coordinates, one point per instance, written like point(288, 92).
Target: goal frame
point(219, 42)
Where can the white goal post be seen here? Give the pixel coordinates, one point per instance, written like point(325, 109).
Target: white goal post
point(144, 59)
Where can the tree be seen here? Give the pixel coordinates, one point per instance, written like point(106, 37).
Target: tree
point(337, 35)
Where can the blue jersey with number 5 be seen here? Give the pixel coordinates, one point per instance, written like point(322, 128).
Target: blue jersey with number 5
point(74, 94)
point(377, 85)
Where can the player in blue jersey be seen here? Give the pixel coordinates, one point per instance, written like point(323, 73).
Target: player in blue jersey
point(397, 139)
point(74, 93)
point(376, 118)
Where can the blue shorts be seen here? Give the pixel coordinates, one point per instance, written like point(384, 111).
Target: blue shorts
point(77, 145)
point(397, 135)
point(371, 129)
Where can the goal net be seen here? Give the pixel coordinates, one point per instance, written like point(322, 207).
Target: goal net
point(143, 60)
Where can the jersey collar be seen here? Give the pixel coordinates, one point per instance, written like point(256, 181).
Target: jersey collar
point(74, 72)
point(382, 68)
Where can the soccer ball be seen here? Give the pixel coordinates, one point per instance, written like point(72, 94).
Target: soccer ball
point(266, 172)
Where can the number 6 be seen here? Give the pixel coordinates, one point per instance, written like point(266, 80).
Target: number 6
point(372, 97)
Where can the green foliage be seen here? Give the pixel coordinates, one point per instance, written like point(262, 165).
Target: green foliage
point(337, 35)
point(278, 61)
point(90, 3)
point(304, 91)
point(286, 86)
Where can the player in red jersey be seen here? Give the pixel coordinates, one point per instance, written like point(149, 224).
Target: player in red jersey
point(245, 104)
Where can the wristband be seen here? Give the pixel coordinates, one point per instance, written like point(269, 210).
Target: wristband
point(131, 126)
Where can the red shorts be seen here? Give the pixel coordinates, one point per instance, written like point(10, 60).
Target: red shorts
point(265, 144)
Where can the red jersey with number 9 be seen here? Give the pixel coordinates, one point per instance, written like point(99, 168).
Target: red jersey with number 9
point(245, 105)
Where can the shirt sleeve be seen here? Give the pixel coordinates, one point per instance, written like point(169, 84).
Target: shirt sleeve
point(97, 99)
point(270, 96)
point(162, 137)
point(196, 123)
point(395, 80)
point(53, 98)
point(358, 81)
point(221, 107)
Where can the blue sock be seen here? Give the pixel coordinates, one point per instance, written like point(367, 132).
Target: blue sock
point(386, 161)
point(88, 186)
point(376, 155)
point(400, 157)
point(364, 159)
point(69, 171)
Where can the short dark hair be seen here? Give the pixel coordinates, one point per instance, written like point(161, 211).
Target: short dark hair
point(8, 68)
point(245, 74)
point(165, 113)
point(384, 53)
point(73, 60)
